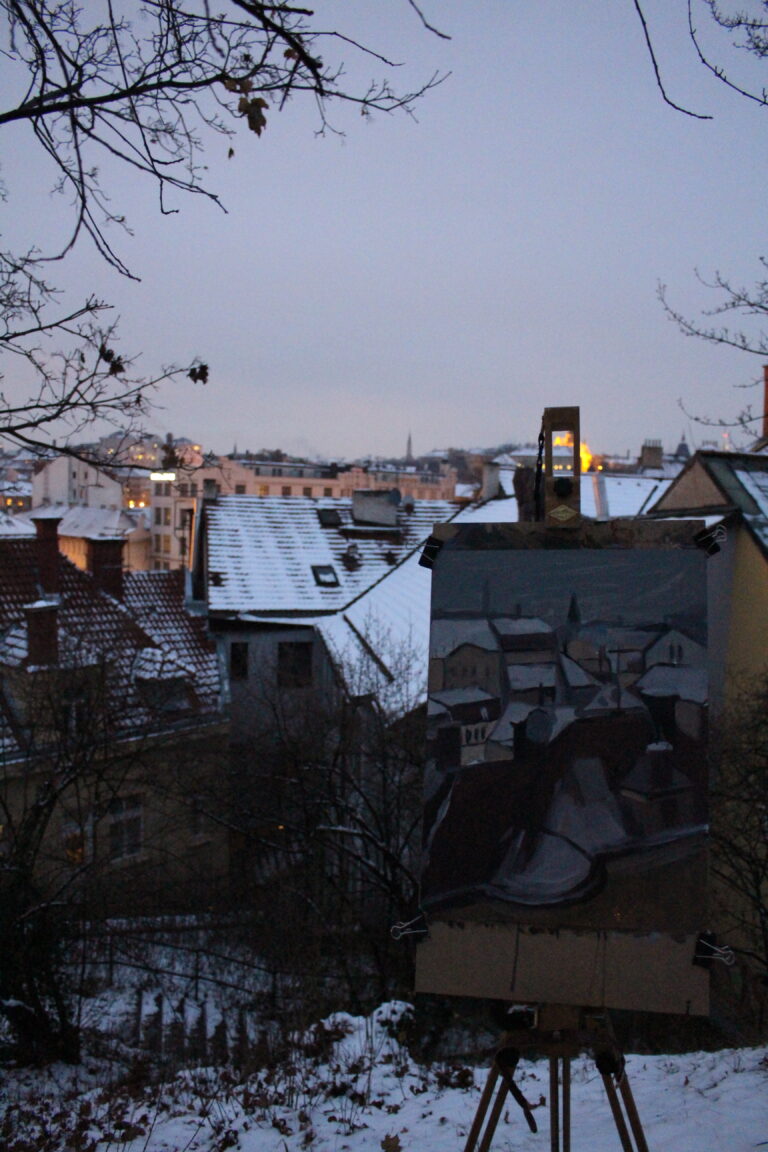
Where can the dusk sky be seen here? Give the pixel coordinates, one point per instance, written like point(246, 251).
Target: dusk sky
point(450, 276)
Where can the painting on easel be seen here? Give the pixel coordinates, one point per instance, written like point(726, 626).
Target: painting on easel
point(566, 783)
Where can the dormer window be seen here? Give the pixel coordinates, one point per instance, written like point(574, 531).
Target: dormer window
point(325, 575)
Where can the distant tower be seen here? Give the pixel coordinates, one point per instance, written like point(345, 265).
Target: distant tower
point(409, 451)
point(682, 452)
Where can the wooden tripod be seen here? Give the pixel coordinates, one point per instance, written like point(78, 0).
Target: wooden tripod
point(575, 1032)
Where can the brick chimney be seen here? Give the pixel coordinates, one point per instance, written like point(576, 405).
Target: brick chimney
point(105, 564)
point(48, 559)
point(42, 632)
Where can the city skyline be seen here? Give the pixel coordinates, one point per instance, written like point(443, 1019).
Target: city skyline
point(447, 276)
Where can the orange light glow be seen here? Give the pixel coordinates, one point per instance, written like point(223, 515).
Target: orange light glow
point(566, 441)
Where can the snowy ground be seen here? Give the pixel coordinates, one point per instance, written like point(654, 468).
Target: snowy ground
point(350, 1086)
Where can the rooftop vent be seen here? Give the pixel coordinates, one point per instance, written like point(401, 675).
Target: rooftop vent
point(351, 558)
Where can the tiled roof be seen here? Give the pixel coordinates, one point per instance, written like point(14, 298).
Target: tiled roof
point(94, 627)
point(156, 602)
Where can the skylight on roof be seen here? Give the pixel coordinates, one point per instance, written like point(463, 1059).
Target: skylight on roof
point(325, 575)
point(329, 517)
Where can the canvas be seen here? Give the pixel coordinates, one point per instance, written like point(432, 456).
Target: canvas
point(566, 783)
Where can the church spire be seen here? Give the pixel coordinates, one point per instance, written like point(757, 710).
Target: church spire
point(409, 450)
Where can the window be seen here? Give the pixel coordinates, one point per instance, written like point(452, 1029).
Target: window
point(325, 575)
point(263, 489)
point(158, 489)
point(238, 660)
point(277, 471)
point(294, 664)
point(183, 489)
point(327, 491)
point(166, 543)
point(166, 516)
point(307, 491)
point(125, 827)
point(239, 489)
point(158, 515)
point(157, 542)
point(286, 490)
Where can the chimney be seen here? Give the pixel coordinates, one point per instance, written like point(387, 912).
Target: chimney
point(765, 401)
point(42, 632)
point(48, 559)
point(105, 564)
point(651, 454)
point(371, 506)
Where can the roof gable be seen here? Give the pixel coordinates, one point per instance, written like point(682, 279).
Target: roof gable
point(693, 488)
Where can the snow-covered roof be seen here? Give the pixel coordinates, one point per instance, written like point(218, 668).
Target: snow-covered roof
point(606, 494)
point(271, 555)
point(521, 625)
point(448, 635)
point(756, 485)
point(524, 677)
point(15, 525)
point(451, 697)
point(672, 680)
point(96, 523)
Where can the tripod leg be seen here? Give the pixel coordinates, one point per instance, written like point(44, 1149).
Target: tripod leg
point(618, 1118)
point(482, 1108)
point(493, 1119)
point(554, 1106)
point(632, 1114)
point(566, 1104)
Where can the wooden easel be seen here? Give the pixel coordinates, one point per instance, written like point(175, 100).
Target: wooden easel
point(560, 1034)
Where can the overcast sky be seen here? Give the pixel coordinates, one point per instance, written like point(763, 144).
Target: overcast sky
point(451, 275)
